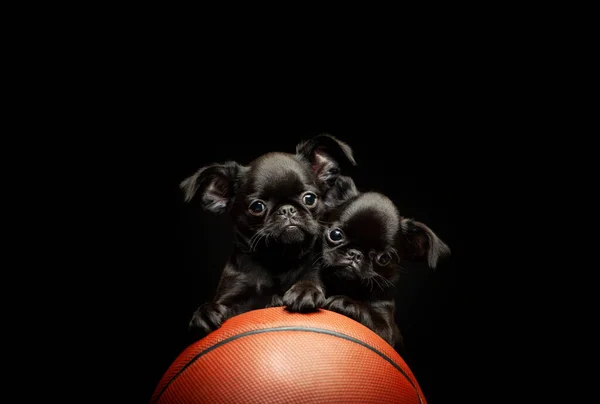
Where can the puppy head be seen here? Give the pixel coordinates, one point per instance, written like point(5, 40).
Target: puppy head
point(359, 242)
point(277, 198)
point(367, 238)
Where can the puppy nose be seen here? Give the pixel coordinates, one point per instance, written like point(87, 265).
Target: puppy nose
point(287, 211)
point(355, 255)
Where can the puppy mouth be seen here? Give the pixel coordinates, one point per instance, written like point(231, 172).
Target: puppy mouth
point(346, 266)
point(292, 225)
point(291, 230)
point(353, 267)
point(347, 270)
point(349, 265)
point(291, 233)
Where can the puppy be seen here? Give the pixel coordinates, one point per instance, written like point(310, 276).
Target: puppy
point(275, 202)
point(365, 242)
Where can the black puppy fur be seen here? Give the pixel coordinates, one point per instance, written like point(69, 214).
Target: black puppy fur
point(276, 202)
point(364, 245)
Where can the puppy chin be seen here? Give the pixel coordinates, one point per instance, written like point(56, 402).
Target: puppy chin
point(341, 267)
point(294, 231)
point(292, 235)
point(347, 272)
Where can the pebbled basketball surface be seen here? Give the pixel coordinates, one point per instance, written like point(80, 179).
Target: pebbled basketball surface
point(273, 356)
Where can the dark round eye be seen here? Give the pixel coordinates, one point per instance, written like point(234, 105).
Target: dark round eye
point(309, 199)
point(384, 258)
point(257, 208)
point(336, 235)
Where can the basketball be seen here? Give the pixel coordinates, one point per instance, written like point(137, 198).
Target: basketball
point(274, 356)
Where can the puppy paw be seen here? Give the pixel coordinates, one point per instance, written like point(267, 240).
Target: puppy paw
point(207, 318)
point(343, 305)
point(303, 298)
point(276, 301)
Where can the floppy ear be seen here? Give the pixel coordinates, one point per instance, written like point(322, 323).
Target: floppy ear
point(325, 154)
point(215, 185)
point(417, 240)
point(343, 190)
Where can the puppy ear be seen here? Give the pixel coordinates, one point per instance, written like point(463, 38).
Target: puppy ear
point(343, 190)
point(325, 154)
point(417, 240)
point(215, 185)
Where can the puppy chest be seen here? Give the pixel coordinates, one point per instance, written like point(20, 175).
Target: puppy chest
point(263, 285)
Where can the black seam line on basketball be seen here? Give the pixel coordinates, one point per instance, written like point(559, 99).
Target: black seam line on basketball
point(264, 330)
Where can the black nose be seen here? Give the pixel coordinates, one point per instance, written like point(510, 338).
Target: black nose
point(287, 211)
point(354, 255)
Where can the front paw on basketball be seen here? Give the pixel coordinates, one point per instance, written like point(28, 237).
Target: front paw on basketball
point(207, 318)
point(343, 305)
point(303, 298)
point(276, 301)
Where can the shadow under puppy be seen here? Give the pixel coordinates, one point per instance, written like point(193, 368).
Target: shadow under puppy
point(365, 243)
point(276, 203)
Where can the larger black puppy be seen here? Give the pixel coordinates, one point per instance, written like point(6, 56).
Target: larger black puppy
point(364, 246)
point(276, 202)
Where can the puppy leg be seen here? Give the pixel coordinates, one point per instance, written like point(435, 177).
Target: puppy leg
point(350, 308)
point(276, 301)
point(208, 317)
point(232, 292)
point(378, 316)
point(382, 314)
point(390, 333)
point(304, 297)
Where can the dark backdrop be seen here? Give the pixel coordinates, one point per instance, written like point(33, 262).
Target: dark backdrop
point(173, 253)
point(146, 111)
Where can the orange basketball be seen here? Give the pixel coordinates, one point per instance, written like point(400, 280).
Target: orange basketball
point(273, 356)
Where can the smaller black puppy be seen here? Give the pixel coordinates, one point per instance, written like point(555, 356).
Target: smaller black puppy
point(365, 242)
point(276, 203)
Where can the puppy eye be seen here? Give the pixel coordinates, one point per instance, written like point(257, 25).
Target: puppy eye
point(335, 235)
point(257, 208)
point(384, 258)
point(309, 199)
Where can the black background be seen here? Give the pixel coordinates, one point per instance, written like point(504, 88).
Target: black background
point(437, 117)
point(426, 140)
point(175, 252)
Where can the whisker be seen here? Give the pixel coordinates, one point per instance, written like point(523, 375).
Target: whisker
point(252, 239)
point(368, 282)
point(254, 236)
point(257, 240)
point(318, 257)
point(375, 280)
point(385, 281)
point(325, 264)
